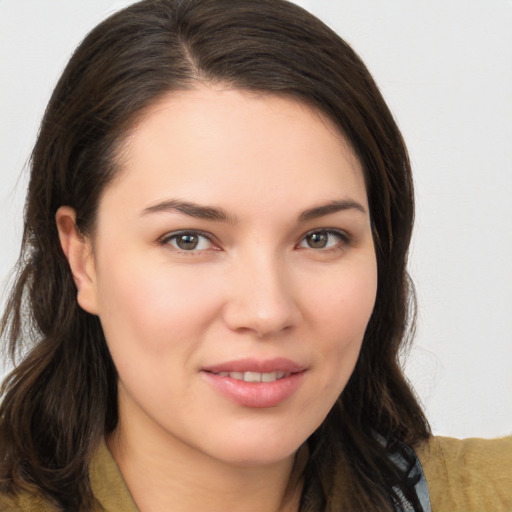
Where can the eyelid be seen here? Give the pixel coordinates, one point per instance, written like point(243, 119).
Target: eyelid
point(344, 237)
point(172, 235)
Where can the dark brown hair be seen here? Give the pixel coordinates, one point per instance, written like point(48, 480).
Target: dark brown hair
point(62, 397)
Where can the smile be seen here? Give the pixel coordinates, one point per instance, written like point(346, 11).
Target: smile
point(255, 376)
point(256, 383)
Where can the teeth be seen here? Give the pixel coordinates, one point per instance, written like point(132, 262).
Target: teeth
point(269, 377)
point(254, 376)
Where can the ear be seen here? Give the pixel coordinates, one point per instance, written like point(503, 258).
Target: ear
point(78, 251)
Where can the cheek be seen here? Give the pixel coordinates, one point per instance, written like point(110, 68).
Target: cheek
point(342, 308)
point(150, 307)
point(344, 301)
point(339, 308)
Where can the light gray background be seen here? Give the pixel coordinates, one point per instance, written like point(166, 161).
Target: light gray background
point(445, 68)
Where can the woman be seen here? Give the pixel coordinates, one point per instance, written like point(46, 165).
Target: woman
point(214, 279)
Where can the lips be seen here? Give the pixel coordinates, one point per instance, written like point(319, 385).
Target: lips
point(255, 383)
point(255, 376)
point(279, 364)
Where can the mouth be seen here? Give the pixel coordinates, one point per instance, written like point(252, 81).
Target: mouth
point(255, 376)
point(256, 383)
point(256, 370)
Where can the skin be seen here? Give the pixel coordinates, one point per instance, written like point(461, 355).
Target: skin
point(256, 286)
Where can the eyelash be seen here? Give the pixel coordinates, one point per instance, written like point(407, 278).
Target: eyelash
point(344, 240)
point(167, 239)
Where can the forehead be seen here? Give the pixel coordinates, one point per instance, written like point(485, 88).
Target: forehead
point(202, 141)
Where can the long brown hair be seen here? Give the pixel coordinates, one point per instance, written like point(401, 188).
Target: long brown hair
point(62, 397)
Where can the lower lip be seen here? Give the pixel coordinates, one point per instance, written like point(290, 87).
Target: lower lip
point(255, 394)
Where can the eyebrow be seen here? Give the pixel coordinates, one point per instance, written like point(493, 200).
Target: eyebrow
point(331, 207)
point(217, 214)
point(192, 210)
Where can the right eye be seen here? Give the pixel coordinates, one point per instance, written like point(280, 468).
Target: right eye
point(188, 241)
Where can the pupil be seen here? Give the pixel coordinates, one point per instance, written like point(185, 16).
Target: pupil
point(187, 242)
point(317, 240)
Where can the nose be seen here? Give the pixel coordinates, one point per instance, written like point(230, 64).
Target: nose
point(262, 301)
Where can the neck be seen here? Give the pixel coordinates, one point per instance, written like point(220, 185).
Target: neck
point(163, 474)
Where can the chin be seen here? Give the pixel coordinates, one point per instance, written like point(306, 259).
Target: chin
point(256, 451)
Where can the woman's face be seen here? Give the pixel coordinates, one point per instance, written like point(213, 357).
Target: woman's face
point(234, 273)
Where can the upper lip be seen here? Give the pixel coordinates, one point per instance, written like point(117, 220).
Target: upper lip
point(278, 364)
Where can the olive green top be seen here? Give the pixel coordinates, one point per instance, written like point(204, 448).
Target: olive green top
point(470, 475)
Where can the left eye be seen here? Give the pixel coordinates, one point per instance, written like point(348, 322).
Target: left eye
point(188, 241)
point(321, 240)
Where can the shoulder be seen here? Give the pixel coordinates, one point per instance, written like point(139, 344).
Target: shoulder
point(108, 486)
point(25, 502)
point(469, 475)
